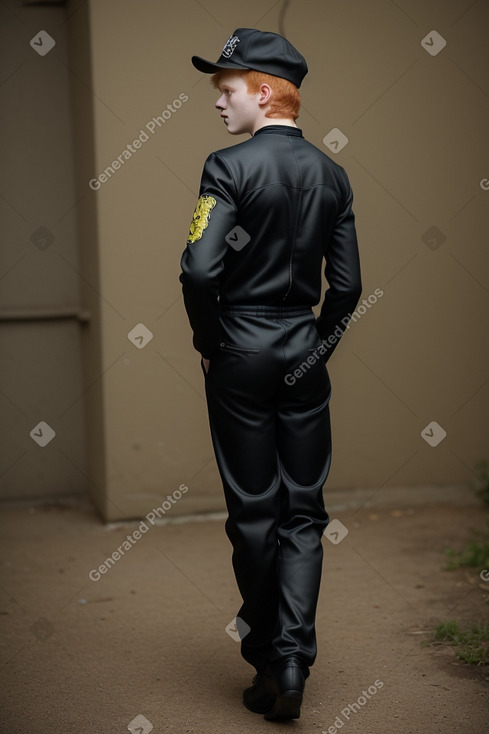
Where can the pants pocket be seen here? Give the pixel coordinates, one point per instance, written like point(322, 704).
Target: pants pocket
point(228, 347)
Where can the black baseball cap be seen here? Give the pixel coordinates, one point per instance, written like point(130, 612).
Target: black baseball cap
point(263, 51)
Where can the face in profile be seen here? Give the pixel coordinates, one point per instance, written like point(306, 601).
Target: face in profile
point(239, 109)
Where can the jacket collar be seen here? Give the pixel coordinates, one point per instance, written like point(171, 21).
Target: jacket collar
point(279, 130)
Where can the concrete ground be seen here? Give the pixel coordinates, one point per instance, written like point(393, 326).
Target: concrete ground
point(143, 646)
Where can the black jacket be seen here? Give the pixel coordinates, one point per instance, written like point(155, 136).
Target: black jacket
point(270, 209)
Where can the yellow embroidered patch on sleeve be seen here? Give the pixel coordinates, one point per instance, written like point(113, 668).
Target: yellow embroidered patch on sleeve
point(200, 220)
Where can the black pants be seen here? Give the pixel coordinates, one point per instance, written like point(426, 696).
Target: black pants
point(271, 435)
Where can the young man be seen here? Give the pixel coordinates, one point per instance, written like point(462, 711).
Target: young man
point(271, 210)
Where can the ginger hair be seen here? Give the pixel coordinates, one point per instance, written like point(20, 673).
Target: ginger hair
point(285, 101)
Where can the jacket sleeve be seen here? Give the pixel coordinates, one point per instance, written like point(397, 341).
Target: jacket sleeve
point(342, 273)
point(202, 260)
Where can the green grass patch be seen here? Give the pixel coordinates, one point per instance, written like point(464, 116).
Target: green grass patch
point(474, 554)
point(473, 645)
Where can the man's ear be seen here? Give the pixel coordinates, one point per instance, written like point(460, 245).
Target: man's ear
point(265, 93)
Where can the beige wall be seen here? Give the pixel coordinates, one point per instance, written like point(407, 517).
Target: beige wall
point(40, 349)
point(417, 151)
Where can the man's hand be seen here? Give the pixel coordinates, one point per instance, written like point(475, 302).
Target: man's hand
point(206, 363)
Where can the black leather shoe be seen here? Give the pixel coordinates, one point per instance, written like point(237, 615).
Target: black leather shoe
point(260, 697)
point(289, 679)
